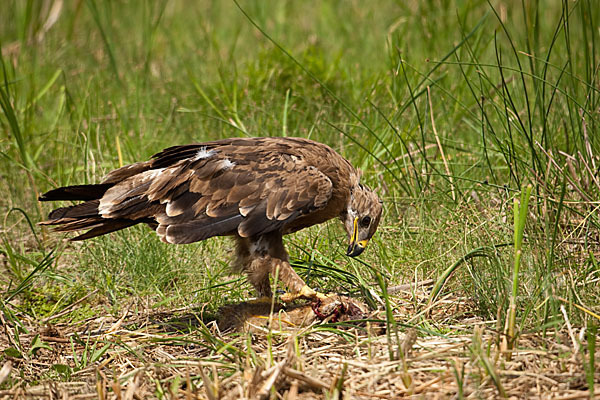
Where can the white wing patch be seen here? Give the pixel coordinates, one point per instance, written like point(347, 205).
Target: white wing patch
point(226, 164)
point(204, 153)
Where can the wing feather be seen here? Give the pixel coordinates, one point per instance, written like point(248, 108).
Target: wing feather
point(244, 191)
point(189, 193)
point(198, 229)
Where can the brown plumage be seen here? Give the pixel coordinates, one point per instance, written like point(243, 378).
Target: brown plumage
point(255, 189)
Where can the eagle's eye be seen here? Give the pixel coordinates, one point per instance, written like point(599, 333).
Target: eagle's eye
point(365, 221)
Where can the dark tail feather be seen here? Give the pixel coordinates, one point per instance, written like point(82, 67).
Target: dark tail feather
point(77, 192)
point(105, 227)
point(83, 210)
point(85, 216)
point(97, 225)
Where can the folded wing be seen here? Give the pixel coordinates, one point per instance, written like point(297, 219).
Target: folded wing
point(190, 193)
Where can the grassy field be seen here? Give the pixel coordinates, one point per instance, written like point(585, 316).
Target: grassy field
point(477, 122)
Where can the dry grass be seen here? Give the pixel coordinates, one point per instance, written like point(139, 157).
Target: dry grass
point(176, 354)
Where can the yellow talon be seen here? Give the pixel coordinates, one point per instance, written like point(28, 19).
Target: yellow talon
point(322, 296)
point(305, 293)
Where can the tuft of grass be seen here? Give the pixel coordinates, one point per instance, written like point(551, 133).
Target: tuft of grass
point(520, 216)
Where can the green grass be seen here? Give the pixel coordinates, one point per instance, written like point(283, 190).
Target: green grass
point(449, 108)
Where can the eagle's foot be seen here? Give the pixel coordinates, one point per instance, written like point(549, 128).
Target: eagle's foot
point(305, 293)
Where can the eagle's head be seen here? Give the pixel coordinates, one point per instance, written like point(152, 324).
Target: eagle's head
point(361, 218)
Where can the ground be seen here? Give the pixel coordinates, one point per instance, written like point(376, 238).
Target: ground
point(180, 353)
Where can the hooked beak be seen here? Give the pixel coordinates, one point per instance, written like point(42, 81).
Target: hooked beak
point(356, 247)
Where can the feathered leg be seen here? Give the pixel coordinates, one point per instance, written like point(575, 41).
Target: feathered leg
point(256, 266)
point(265, 254)
point(258, 276)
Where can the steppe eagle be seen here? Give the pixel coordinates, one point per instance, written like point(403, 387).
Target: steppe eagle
point(254, 189)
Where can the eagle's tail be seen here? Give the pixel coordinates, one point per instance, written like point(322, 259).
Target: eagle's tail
point(76, 192)
point(84, 215)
